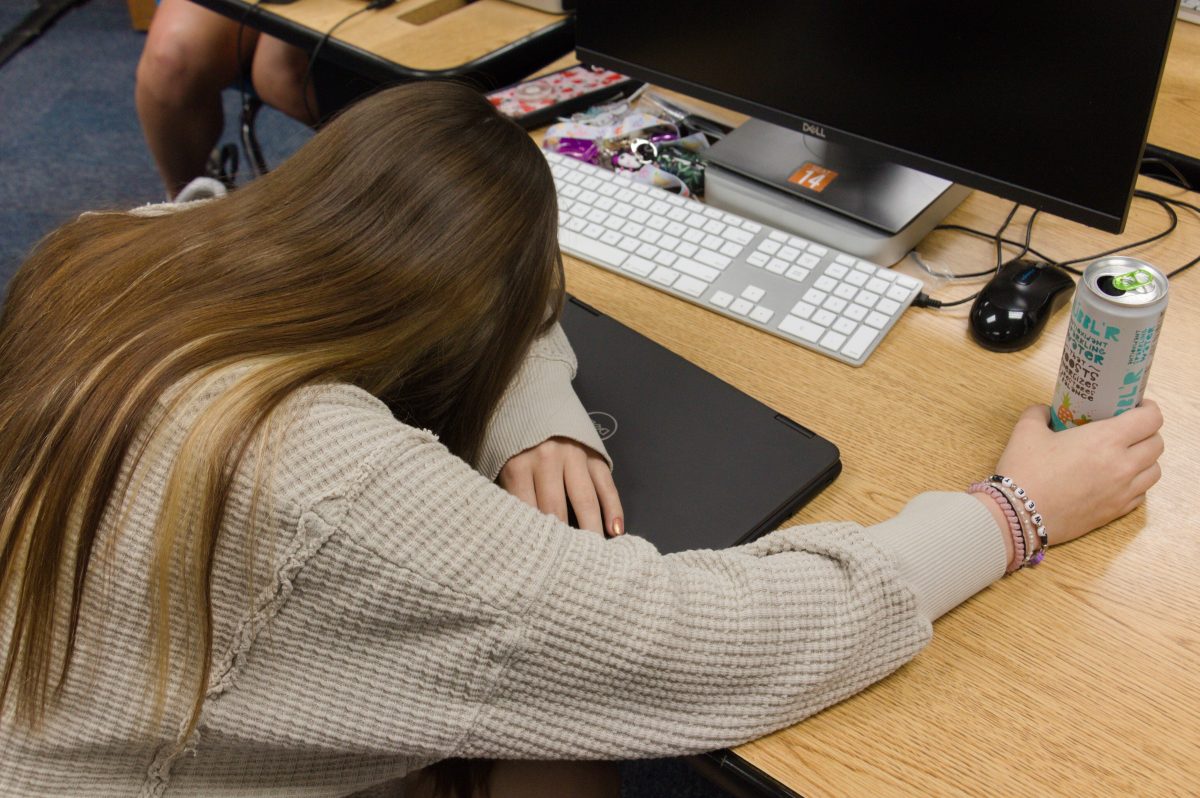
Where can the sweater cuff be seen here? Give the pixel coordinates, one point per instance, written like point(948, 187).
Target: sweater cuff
point(946, 547)
point(539, 406)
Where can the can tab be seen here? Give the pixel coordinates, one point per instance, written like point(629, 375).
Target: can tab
point(1132, 280)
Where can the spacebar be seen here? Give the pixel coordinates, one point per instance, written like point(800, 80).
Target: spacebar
point(591, 250)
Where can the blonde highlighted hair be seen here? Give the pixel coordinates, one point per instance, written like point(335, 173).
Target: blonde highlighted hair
point(410, 248)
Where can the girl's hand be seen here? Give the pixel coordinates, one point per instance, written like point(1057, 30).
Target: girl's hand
point(560, 470)
point(1085, 477)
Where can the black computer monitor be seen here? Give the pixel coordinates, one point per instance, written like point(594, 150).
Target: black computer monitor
point(1047, 103)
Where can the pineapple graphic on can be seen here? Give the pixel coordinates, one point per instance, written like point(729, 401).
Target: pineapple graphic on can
point(1115, 323)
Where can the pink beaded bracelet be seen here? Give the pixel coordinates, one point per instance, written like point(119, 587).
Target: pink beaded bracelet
point(1014, 523)
point(1031, 520)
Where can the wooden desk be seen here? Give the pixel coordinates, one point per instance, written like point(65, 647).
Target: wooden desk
point(1080, 677)
point(1176, 122)
point(493, 41)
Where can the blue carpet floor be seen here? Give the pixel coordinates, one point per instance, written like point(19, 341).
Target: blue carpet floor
point(70, 141)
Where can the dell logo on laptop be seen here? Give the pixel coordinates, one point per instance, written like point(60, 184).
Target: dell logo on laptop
point(812, 130)
point(606, 425)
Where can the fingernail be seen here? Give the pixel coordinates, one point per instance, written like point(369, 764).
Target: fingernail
point(618, 526)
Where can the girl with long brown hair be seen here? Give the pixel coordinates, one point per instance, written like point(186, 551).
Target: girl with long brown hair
point(242, 550)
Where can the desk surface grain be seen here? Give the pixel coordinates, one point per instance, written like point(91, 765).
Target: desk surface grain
point(1077, 677)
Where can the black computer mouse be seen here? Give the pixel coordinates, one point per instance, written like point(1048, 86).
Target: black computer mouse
point(1012, 309)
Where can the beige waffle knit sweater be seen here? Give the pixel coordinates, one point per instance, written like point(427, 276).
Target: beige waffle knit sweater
point(400, 608)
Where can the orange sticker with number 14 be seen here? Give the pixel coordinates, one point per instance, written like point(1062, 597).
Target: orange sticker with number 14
point(812, 176)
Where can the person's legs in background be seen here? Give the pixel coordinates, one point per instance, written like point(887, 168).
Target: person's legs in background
point(189, 57)
point(279, 73)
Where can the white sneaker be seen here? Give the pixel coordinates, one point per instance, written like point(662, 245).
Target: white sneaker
point(201, 188)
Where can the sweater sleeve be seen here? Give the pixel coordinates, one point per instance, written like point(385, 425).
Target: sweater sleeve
point(469, 624)
point(538, 405)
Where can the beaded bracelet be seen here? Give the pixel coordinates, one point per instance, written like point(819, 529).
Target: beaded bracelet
point(1027, 510)
point(1010, 513)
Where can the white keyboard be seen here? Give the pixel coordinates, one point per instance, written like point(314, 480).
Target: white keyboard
point(828, 301)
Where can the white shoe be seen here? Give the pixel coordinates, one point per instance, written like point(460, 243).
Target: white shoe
point(201, 188)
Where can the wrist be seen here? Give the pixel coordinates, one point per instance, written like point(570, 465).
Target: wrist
point(1002, 527)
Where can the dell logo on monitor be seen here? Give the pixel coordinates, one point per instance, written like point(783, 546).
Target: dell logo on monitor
point(813, 130)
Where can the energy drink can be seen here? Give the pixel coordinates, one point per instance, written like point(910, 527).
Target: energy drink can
point(1115, 324)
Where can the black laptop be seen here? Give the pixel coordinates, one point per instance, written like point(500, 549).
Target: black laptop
point(698, 463)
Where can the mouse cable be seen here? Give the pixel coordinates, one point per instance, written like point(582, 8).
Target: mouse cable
point(374, 5)
point(923, 300)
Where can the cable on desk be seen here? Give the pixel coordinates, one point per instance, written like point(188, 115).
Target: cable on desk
point(1168, 204)
point(374, 5)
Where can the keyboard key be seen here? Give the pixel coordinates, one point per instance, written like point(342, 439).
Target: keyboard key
point(778, 235)
point(769, 247)
point(824, 318)
point(885, 274)
point(752, 227)
point(576, 224)
point(833, 340)
point(625, 195)
point(693, 235)
point(705, 273)
point(762, 315)
point(741, 306)
point(818, 250)
point(664, 275)
point(798, 243)
point(622, 209)
point(857, 278)
point(687, 249)
point(593, 231)
point(856, 312)
point(802, 329)
point(721, 299)
point(844, 325)
point(712, 242)
point(789, 254)
point(907, 282)
point(887, 306)
point(650, 236)
point(730, 250)
point(836, 270)
point(612, 222)
point(641, 201)
point(814, 296)
point(858, 343)
point(710, 258)
point(666, 258)
point(777, 266)
point(753, 293)
point(898, 293)
point(639, 266)
point(866, 299)
point(591, 249)
point(808, 261)
point(629, 244)
point(834, 304)
point(713, 226)
point(798, 274)
point(845, 291)
point(738, 235)
point(611, 237)
point(877, 319)
point(647, 250)
point(632, 229)
point(845, 260)
point(690, 285)
point(757, 259)
point(865, 267)
point(876, 285)
point(803, 310)
point(826, 283)
point(639, 216)
point(668, 242)
point(675, 229)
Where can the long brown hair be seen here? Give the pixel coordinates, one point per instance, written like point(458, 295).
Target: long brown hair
point(410, 248)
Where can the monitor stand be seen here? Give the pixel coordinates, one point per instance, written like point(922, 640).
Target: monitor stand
point(826, 192)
